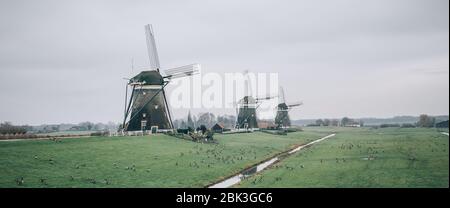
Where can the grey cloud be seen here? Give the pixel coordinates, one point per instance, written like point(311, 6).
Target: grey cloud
point(73, 54)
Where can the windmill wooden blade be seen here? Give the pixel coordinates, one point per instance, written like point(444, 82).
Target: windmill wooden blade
point(151, 46)
point(266, 98)
point(295, 104)
point(183, 71)
point(282, 98)
point(248, 90)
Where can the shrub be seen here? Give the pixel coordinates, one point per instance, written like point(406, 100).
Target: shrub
point(389, 125)
point(408, 125)
point(99, 133)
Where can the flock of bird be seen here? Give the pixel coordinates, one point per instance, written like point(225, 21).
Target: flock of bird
point(209, 156)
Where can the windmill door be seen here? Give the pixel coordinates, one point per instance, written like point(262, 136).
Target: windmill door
point(143, 124)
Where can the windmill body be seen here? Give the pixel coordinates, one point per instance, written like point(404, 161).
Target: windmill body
point(282, 119)
point(247, 113)
point(144, 114)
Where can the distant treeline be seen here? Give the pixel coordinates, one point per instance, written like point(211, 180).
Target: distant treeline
point(9, 128)
point(336, 122)
point(425, 121)
point(398, 121)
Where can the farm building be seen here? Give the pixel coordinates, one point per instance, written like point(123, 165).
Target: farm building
point(218, 128)
point(353, 125)
point(266, 124)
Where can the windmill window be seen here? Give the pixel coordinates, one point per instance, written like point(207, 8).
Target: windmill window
point(144, 115)
point(156, 106)
point(143, 92)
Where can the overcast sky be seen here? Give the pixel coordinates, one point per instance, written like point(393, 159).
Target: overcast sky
point(64, 62)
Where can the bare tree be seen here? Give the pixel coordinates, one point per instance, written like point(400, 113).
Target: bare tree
point(319, 122)
point(426, 121)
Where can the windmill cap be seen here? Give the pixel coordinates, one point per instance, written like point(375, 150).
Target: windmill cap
point(149, 78)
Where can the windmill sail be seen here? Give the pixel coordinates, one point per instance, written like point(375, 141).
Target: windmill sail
point(282, 98)
point(294, 104)
point(182, 71)
point(151, 46)
point(265, 98)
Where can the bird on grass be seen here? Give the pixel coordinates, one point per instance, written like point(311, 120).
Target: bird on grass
point(20, 181)
point(93, 181)
point(56, 140)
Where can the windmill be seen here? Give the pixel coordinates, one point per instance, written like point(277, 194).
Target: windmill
point(282, 118)
point(247, 106)
point(147, 106)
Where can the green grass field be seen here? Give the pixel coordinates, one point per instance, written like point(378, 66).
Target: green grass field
point(151, 161)
point(355, 157)
point(364, 157)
